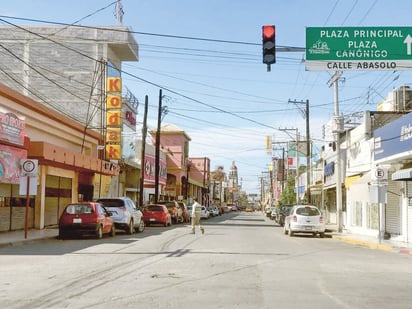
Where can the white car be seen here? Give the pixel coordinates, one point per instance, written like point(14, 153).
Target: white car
point(125, 214)
point(205, 214)
point(304, 219)
point(214, 211)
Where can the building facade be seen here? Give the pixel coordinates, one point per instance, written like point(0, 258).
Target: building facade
point(77, 71)
point(67, 155)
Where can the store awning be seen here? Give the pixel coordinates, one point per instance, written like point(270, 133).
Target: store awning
point(351, 179)
point(405, 174)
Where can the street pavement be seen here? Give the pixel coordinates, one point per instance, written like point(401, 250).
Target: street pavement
point(16, 238)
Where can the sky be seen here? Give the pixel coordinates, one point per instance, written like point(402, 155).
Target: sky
point(206, 56)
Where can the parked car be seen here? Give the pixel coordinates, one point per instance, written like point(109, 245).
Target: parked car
point(268, 211)
point(304, 219)
point(214, 211)
point(274, 213)
point(85, 218)
point(232, 207)
point(284, 211)
point(172, 207)
point(157, 214)
point(185, 212)
point(189, 210)
point(125, 214)
point(205, 214)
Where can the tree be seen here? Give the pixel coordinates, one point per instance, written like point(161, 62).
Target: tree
point(288, 196)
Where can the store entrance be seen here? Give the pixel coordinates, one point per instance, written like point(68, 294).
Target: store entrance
point(58, 195)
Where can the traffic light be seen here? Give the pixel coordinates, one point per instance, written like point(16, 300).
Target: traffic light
point(268, 42)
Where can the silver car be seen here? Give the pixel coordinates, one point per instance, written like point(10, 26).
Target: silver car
point(304, 219)
point(125, 214)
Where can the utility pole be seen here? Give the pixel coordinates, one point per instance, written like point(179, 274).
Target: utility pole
point(297, 161)
point(305, 114)
point(157, 150)
point(143, 152)
point(337, 129)
point(297, 166)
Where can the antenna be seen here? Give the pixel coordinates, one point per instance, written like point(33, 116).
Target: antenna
point(118, 12)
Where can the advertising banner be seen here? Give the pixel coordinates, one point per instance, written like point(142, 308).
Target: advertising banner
point(10, 163)
point(11, 128)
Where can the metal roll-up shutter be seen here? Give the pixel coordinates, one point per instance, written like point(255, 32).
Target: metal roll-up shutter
point(393, 207)
point(409, 211)
point(409, 221)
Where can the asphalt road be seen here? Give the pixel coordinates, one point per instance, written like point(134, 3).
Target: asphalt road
point(242, 261)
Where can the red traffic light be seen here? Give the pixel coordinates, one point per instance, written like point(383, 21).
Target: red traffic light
point(268, 45)
point(268, 32)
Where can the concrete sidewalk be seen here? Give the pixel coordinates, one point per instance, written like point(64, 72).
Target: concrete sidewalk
point(374, 243)
point(15, 238)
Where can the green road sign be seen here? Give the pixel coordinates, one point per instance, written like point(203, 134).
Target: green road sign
point(358, 48)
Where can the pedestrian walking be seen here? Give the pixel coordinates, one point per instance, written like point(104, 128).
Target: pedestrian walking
point(196, 212)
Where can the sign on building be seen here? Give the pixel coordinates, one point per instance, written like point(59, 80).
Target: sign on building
point(114, 118)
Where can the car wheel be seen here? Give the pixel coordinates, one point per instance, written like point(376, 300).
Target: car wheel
point(99, 232)
point(285, 231)
point(141, 226)
point(130, 228)
point(113, 231)
point(322, 235)
point(291, 233)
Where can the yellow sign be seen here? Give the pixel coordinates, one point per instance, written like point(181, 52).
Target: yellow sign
point(113, 135)
point(114, 84)
point(113, 152)
point(114, 101)
point(114, 118)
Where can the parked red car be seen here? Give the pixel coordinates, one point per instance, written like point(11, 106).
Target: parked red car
point(85, 218)
point(156, 214)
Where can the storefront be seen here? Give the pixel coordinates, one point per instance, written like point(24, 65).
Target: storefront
point(13, 149)
point(68, 165)
point(393, 150)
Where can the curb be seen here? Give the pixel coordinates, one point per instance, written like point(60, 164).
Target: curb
point(25, 241)
point(405, 251)
point(363, 243)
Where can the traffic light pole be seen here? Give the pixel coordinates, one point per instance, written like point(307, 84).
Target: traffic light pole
point(308, 150)
point(334, 80)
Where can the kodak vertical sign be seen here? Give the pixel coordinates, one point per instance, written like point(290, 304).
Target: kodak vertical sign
point(114, 118)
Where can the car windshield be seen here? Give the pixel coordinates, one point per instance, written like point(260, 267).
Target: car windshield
point(111, 202)
point(307, 211)
point(79, 209)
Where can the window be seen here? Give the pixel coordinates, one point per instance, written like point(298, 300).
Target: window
point(307, 211)
point(79, 209)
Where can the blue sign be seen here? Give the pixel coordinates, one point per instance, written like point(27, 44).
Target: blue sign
point(329, 169)
point(393, 138)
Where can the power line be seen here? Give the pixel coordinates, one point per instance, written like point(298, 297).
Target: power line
point(280, 48)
